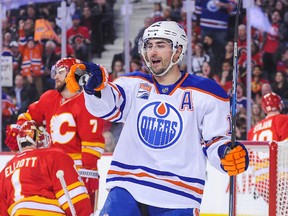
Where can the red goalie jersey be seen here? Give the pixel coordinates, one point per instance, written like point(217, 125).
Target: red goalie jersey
point(29, 185)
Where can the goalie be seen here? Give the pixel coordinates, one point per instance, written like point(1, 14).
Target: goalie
point(28, 183)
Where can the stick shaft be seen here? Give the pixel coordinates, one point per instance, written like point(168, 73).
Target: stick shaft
point(66, 192)
point(232, 203)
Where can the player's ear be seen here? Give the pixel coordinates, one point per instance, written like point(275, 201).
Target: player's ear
point(177, 53)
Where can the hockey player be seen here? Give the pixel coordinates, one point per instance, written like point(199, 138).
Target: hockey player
point(173, 123)
point(274, 126)
point(29, 184)
point(71, 126)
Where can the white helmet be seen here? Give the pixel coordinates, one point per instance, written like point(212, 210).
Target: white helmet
point(30, 134)
point(169, 30)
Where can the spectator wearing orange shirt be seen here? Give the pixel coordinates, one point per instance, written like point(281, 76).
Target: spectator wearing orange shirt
point(31, 51)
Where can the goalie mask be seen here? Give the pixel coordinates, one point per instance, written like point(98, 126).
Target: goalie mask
point(29, 135)
point(168, 30)
point(271, 102)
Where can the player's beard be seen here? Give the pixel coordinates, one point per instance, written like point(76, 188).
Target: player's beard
point(60, 86)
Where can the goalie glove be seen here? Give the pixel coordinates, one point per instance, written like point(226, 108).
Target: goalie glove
point(11, 136)
point(233, 161)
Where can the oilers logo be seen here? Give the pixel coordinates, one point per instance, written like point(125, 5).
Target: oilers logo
point(159, 125)
point(212, 6)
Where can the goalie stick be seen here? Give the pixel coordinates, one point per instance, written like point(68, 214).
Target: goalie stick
point(60, 176)
point(233, 104)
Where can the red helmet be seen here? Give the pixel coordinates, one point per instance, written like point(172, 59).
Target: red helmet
point(271, 102)
point(30, 134)
point(63, 63)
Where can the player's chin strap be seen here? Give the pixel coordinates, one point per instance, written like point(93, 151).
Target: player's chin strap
point(167, 69)
point(88, 173)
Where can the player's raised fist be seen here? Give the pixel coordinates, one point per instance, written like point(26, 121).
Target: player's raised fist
point(98, 79)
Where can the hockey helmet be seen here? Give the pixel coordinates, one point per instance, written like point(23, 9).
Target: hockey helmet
point(64, 64)
point(30, 134)
point(271, 102)
point(168, 30)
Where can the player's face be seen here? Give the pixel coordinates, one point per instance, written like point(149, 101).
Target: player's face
point(159, 52)
point(59, 77)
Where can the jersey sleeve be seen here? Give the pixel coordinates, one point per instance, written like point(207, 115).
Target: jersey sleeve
point(75, 186)
point(114, 103)
point(215, 124)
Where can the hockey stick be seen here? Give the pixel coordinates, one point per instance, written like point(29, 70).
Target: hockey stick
point(232, 202)
point(60, 176)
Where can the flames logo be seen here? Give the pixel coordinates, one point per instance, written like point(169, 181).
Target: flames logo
point(159, 125)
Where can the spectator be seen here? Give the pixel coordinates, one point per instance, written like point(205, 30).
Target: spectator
point(257, 81)
point(16, 57)
point(215, 52)
point(7, 39)
point(225, 78)
point(157, 14)
point(136, 65)
point(23, 94)
point(280, 85)
point(8, 110)
point(176, 6)
point(256, 57)
point(242, 39)
point(282, 63)
point(207, 72)
point(214, 20)
point(257, 114)
point(198, 58)
point(229, 52)
point(241, 100)
point(117, 70)
point(270, 46)
point(283, 31)
point(31, 51)
point(167, 13)
point(121, 56)
point(86, 18)
point(49, 58)
point(79, 38)
point(241, 126)
point(265, 89)
point(147, 22)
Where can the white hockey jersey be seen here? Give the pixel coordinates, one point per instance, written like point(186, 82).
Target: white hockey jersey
point(168, 134)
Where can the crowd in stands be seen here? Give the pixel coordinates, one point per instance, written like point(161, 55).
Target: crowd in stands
point(89, 26)
point(212, 48)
